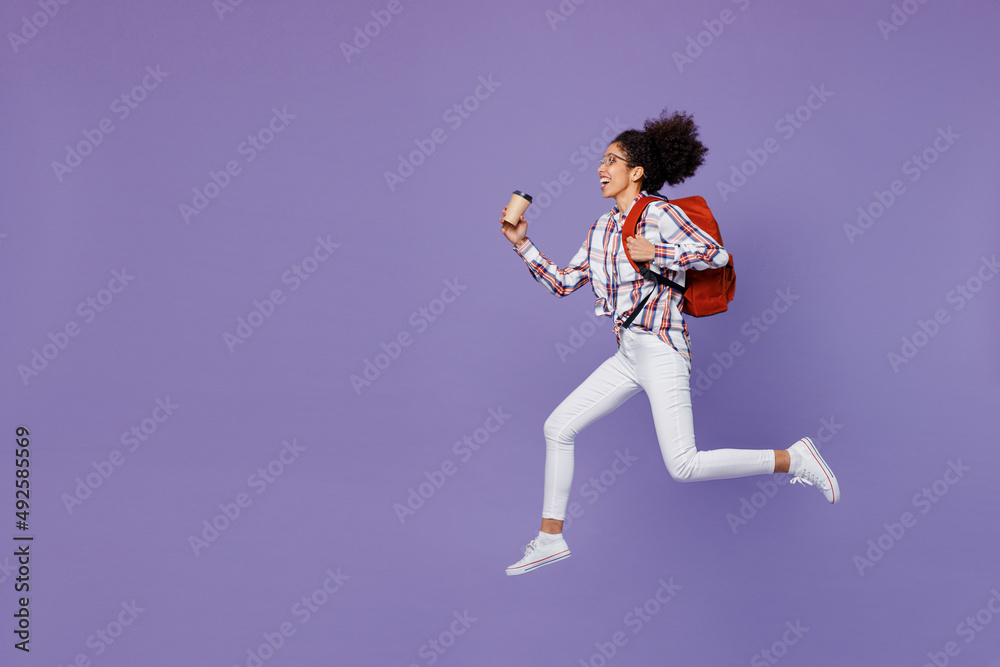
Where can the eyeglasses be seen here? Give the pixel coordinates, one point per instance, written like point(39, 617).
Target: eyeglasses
point(610, 158)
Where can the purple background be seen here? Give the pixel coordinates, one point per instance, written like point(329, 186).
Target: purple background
point(501, 344)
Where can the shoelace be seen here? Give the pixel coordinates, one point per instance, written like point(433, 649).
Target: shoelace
point(806, 477)
point(532, 545)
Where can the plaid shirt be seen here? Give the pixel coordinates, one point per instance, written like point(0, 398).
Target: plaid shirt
point(601, 260)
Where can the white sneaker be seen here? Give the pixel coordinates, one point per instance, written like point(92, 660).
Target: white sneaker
point(536, 556)
point(814, 471)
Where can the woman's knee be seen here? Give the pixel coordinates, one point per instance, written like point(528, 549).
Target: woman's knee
point(682, 470)
point(556, 429)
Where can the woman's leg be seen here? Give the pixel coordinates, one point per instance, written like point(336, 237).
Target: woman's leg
point(607, 388)
point(664, 374)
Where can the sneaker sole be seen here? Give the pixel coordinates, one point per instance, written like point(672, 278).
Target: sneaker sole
point(834, 487)
point(538, 563)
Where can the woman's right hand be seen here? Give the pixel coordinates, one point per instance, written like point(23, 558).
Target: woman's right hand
point(514, 233)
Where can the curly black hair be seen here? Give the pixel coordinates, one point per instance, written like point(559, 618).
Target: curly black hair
point(668, 150)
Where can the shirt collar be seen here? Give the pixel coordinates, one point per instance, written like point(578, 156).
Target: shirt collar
point(617, 215)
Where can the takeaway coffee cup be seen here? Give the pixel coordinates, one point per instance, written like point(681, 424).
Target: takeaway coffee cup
point(518, 205)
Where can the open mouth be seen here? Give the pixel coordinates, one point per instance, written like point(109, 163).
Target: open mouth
point(605, 181)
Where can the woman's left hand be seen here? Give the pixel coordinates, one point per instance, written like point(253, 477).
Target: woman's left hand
point(640, 249)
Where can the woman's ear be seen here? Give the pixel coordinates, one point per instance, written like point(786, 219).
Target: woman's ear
point(637, 173)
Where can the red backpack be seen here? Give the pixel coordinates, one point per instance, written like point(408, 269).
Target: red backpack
point(707, 292)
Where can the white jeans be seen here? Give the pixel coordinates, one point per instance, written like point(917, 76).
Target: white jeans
point(645, 362)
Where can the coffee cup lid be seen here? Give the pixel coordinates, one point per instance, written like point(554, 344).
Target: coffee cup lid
point(523, 194)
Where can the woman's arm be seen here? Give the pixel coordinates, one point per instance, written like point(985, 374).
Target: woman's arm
point(559, 282)
point(677, 243)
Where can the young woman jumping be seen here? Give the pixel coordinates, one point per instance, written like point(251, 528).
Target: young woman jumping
point(654, 352)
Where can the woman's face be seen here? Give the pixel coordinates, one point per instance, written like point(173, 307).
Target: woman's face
point(613, 171)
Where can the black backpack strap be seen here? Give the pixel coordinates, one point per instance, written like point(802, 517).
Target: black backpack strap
point(651, 275)
point(635, 311)
point(654, 277)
